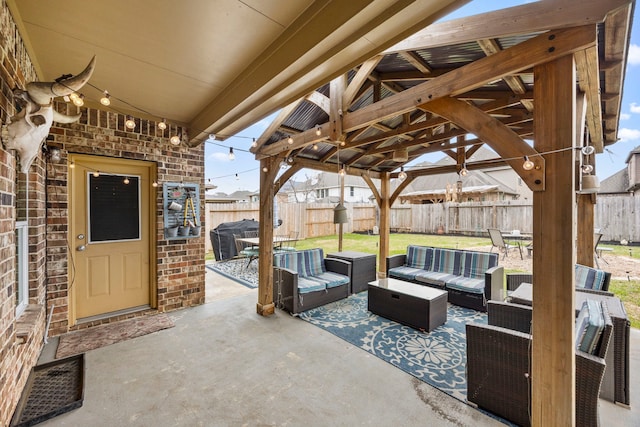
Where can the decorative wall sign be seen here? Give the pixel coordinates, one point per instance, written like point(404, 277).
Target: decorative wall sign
point(181, 209)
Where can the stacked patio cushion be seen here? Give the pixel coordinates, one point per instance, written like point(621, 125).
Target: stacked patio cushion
point(459, 271)
point(310, 266)
point(591, 278)
point(589, 326)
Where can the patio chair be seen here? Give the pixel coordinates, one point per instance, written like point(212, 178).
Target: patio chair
point(245, 251)
point(291, 246)
point(597, 250)
point(497, 241)
point(499, 365)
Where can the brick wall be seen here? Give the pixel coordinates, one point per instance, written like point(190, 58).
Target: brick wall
point(20, 338)
point(180, 263)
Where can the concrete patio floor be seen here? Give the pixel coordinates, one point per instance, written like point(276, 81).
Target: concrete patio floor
point(223, 365)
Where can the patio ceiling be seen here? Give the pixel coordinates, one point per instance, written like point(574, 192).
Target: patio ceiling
point(213, 66)
point(456, 85)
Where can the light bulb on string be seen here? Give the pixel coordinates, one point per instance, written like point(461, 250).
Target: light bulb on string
point(290, 140)
point(342, 172)
point(527, 164)
point(96, 174)
point(73, 96)
point(232, 156)
point(162, 125)
point(237, 177)
point(78, 101)
point(254, 143)
point(315, 147)
point(72, 165)
point(588, 150)
point(402, 175)
point(154, 184)
point(265, 169)
point(463, 170)
point(318, 130)
point(106, 99)
point(130, 123)
point(126, 180)
point(175, 140)
point(587, 168)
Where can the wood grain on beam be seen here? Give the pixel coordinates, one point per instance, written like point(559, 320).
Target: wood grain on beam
point(589, 82)
point(275, 124)
point(320, 100)
point(529, 18)
point(361, 76)
point(502, 140)
point(554, 257)
point(543, 48)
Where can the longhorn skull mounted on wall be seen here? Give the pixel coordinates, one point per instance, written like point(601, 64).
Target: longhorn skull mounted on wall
point(26, 131)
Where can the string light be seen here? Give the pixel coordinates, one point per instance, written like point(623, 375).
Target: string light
point(78, 100)
point(105, 100)
point(162, 125)
point(464, 171)
point(130, 124)
point(96, 174)
point(175, 140)
point(290, 140)
point(402, 175)
point(72, 165)
point(342, 172)
point(126, 180)
point(254, 144)
point(154, 184)
point(232, 156)
point(237, 177)
point(318, 130)
point(588, 150)
point(265, 169)
point(527, 164)
point(315, 147)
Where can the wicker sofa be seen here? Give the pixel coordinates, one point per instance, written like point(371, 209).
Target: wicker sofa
point(499, 357)
point(306, 279)
point(471, 278)
point(588, 279)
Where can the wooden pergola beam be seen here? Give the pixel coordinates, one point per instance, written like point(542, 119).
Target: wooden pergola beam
point(529, 18)
point(538, 50)
point(503, 140)
point(589, 83)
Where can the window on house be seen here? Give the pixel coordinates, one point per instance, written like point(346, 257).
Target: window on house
point(352, 191)
point(22, 267)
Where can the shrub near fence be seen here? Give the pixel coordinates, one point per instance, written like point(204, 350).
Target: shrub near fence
point(618, 217)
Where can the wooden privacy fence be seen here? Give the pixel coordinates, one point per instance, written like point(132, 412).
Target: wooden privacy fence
point(618, 217)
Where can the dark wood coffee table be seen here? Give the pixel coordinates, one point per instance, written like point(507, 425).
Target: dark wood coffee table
point(418, 306)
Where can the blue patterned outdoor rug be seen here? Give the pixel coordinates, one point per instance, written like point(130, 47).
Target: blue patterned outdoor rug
point(437, 358)
point(236, 269)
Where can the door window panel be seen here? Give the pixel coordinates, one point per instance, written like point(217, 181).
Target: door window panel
point(114, 208)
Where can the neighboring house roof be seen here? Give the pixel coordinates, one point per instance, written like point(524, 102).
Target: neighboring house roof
point(632, 152)
point(616, 183)
point(475, 178)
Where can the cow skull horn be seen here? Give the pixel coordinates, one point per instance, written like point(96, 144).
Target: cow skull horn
point(42, 92)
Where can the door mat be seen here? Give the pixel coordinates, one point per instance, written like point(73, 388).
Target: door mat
point(52, 389)
point(89, 339)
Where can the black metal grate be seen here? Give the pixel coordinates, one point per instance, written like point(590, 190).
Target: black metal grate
point(52, 389)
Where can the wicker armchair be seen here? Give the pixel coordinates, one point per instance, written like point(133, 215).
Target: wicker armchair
point(498, 366)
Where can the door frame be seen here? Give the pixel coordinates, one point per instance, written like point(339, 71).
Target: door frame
point(104, 163)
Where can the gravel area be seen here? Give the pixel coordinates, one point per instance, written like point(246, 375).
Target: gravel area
point(621, 267)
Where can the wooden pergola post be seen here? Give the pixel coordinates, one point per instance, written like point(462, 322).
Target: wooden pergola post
point(585, 240)
point(385, 221)
point(554, 234)
point(268, 172)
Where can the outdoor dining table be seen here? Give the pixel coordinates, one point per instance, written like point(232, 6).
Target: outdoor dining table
point(520, 238)
point(277, 240)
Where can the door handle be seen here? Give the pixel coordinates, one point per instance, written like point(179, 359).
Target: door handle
point(81, 248)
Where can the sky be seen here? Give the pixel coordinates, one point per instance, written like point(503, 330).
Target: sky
point(243, 172)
